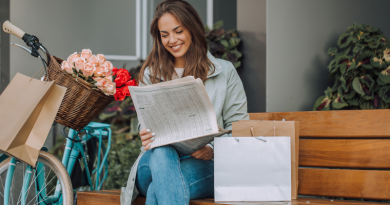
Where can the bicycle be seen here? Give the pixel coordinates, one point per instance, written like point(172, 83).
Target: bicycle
point(49, 181)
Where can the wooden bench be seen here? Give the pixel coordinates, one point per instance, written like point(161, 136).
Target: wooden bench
point(342, 154)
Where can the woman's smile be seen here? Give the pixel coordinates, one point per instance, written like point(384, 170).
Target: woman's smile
point(176, 47)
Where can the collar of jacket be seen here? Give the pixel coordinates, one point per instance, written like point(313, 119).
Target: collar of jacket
point(218, 67)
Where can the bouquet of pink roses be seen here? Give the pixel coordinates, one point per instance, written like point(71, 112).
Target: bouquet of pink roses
point(92, 69)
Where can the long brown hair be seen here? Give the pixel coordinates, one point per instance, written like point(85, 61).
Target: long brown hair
point(161, 62)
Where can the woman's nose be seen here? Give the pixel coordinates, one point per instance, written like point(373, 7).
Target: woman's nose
point(172, 39)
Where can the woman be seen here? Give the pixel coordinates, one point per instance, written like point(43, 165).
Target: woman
point(180, 50)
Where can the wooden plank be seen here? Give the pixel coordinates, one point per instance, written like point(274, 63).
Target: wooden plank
point(365, 184)
point(336, 124)
point(350, 153)
point(94, 197)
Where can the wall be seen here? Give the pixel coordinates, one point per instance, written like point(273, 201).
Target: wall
point(4, 46)
point(251, 26)
point(299, 33)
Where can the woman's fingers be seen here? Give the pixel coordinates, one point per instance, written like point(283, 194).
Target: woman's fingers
point(147, 147)
point(146, 135)
point(144, 131)
point(147, 142)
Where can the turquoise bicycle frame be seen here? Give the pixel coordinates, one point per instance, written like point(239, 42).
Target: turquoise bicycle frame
point(72, 151)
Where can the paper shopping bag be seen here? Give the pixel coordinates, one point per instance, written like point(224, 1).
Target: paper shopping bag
point(247, 128)
point(27, 108)
point(252, 169)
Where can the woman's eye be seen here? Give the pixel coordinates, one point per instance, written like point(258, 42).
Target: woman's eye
point(164, 36)
point(179, 32)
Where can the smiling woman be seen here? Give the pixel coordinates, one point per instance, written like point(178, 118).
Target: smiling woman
point(179, 41)
point(179, 50)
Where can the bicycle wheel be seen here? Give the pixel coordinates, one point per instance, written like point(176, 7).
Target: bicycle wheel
point(47, 183)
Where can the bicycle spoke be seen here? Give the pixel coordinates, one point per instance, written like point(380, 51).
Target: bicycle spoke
point(46, 196)
point(2, 186)
point(40, 191)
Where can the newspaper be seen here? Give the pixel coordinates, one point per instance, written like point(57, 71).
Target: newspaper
point(179, 112)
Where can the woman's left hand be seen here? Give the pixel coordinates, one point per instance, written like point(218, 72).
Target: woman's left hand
point(204, 153)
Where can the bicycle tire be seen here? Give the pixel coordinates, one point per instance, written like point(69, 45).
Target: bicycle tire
point(58, 168)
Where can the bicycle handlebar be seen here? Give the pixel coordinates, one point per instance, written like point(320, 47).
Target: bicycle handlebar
point(8, 27)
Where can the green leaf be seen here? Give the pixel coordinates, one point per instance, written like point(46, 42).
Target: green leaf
point(332, 51)
point(237, 64)
point(384, 93)
point(225, 43)
point(218, 24)
point(354, 101)
point(318, 103)
point(344, 40)
point(383, 79)
point(234, 41)
point(352, 66)
point(349, 95)
point(343, 68)
point(357, 86)
point(339, 105)
point(368, 81)
point(237, 53)
point(332, 64)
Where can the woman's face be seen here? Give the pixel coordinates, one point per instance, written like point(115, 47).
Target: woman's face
point(175, 38)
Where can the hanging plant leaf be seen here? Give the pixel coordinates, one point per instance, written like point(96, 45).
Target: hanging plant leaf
point(357, 86)
point(354, 101)
point(384, 93)
point(339, 105)
point(344, 40)
point(225, 43)
point(322, 103)
point(351, 66)
point(349, 95)
point(332, 51)
point(237, 64)
point(234, 41)
point(237, 53)
point(375, 103)
point(383, 79)
point(377, 62)
point(332, 65)
point(368, 81)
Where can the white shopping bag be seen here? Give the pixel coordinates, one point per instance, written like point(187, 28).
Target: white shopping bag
point(252, 169)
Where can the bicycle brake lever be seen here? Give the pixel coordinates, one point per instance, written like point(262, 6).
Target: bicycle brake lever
point(26, 49)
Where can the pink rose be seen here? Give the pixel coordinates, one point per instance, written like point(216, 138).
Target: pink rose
point(99, 71)
point(72, 57)
point(109, 89)
point(101, 58)
point(88, 69)
point(93, 60)
point(86, 53)
point(108, 78)
point(67, 67)
point(100, 82)
point(79, 63)
point(108, 65)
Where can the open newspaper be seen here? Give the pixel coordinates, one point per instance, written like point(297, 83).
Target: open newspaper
point(179, 112)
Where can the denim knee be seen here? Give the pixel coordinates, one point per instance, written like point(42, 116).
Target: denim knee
point(164, 151)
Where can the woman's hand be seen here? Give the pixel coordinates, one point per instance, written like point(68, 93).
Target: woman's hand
point(146, 137)
point(204, 153)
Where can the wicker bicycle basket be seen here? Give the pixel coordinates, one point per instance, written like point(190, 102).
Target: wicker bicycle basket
point(81, 103)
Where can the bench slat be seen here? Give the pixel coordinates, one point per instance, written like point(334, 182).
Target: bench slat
point(336, 124)
point(100, 198)
point(368, 154)
point(366, 184)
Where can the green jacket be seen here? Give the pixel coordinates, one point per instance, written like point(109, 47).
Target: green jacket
point(226, 92)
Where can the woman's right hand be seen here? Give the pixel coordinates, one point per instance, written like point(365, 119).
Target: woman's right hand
point(146, 137)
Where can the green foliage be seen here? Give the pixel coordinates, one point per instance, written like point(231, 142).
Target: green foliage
point(361, 70)
point(223, 44)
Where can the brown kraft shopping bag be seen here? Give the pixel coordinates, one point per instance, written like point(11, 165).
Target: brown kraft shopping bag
point(247, 128)
point(27, 108)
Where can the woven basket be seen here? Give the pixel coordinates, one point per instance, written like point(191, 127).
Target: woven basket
point(81, 103)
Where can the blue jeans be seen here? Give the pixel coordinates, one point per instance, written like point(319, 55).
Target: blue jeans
point(164, 178)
